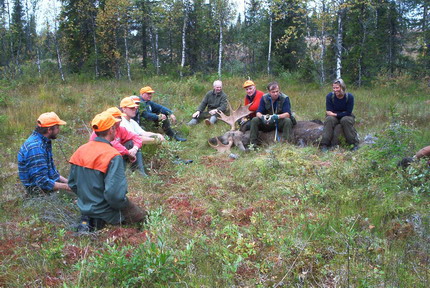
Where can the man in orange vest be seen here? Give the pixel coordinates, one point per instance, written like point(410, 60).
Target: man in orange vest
point(97, 176)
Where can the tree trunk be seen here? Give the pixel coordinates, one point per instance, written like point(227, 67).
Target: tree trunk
point(220, 49)
point(96, 53)
point(184, 30)
point(38, 62)
point(127, 60)
point(59, 62)
point(339, 40)
point(323, 46)
point(269, 53)
point(157, 60)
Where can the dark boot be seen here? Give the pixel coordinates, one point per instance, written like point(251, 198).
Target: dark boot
point(174, 135)
point(139, 164)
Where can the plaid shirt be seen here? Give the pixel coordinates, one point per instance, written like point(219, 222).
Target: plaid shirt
point(35, 163)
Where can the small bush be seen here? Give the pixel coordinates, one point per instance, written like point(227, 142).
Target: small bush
point(150, 264)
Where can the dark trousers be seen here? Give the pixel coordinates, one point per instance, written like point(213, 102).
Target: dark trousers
point(347, 123)
point(133, 214)
point(284, 125)
point(165, 125)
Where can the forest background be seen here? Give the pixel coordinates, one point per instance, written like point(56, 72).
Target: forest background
point(278, 216)
point(357, 39)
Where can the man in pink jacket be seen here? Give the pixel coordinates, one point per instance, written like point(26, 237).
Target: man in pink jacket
point(127, 143)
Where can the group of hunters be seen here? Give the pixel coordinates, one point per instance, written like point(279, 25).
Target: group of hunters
point(97, 174)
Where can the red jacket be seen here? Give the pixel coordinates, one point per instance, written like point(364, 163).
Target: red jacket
point(121, 137)
point(255, 102)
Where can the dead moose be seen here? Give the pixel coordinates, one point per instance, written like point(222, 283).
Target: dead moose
point(304, 133)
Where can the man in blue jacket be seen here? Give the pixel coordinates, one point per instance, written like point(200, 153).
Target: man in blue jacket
point(151, 111)
point(273, 113)
point(36, 167)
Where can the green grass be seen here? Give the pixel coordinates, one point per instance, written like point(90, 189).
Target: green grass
point(277, 216)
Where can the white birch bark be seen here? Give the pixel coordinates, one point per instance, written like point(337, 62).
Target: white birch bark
point(184, 30)
point(59, 62)
point(157, 60)
point(339, 40)
point(127, 59)
point(269, 53)
point(220, 48)
point(57, 50)
point(39, 70)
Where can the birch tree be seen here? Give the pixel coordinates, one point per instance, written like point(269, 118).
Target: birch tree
point(339, 37)
point(223, 13)
point(186, 5)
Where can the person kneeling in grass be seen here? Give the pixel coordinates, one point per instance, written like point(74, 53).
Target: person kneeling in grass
point(36, 167)
point(97, 176)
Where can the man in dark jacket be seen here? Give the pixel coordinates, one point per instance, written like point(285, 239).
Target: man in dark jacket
point(156, 113)
point(274, 112)
point(215, 101)
point(97, 176)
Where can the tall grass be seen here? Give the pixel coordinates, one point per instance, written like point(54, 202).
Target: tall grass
point(276, 216)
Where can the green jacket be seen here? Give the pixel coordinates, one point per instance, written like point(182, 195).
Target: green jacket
point(214, 101)
point(97, 176)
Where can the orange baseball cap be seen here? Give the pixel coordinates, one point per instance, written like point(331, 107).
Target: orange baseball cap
point(115, 112)
point(103, 121)
point(146, 89)
point(49, 119)
point(128, 102)
point(248, 83)
point(135, 98)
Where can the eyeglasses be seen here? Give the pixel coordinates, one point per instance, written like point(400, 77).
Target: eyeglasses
point(132, 108)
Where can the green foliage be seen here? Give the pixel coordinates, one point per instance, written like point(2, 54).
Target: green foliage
point(393, 142)
point(150, 264)
point(278, 215)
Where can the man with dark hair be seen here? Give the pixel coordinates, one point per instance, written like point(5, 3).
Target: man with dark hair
point(36, 167)
point(156, 113)
point(97, 176)
point(274, 112)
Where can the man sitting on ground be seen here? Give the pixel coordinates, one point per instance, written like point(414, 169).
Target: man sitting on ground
point(157, 114)
point(126, 142)
point(273, 113)
point(36, 167)
point(129, 107)
point(97, 176)
point(252, 96)
point(215, 101)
